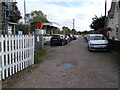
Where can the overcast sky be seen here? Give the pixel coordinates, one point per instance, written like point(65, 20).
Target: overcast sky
point(64, 11)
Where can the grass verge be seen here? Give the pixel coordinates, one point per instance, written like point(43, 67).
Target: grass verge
point(40, 55)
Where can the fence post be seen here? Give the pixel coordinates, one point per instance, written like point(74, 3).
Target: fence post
point(33, 42)
point(10, 54)
point(2, 51)
point(13, 69)
point(6, 56)
point(0, 59)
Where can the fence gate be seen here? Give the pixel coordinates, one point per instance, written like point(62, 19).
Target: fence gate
point(16, 54)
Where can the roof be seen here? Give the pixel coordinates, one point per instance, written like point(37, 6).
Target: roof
point(96, 34)
point(53, 24)
point(112, 9)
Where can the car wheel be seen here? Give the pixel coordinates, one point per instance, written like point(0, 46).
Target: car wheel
point(89, 49)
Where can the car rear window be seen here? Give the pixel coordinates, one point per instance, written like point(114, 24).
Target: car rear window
point(56, 36)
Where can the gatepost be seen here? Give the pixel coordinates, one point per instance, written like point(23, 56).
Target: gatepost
point(39, 41)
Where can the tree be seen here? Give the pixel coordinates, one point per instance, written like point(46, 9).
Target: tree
point(56, 31)
point(97, 22)
point(15, 14)
point(33, 17)
point(74, 31)
point(79, 32)
point(36, 16)
point(87, 32)
point(22, 27)
point(65, 30)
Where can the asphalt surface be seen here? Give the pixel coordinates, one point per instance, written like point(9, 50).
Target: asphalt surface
point(73, 66)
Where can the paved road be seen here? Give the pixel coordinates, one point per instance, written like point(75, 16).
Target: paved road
point(88, 70)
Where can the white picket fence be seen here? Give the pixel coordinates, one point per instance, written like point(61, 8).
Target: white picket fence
point(16, 54)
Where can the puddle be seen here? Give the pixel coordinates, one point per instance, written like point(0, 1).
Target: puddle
point(66, 65)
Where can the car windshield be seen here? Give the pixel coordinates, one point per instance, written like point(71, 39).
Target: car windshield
point(56, 36)
point(97, 38)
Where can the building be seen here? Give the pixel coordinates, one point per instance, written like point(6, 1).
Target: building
point(50, 26)
point(47, 27)
point(113, 22)
point(113, 25)
point(6, 26)
point(0, 17)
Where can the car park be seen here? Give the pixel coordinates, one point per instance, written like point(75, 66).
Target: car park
point(58, 39)
point(98, 42)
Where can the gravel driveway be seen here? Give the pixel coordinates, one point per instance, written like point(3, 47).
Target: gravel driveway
point(73, 66)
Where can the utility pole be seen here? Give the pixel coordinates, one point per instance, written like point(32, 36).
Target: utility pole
point(5, 21)
point(73, 23)
point(25, 12)
point(105, 22)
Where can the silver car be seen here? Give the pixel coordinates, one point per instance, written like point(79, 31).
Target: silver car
point(97, 42)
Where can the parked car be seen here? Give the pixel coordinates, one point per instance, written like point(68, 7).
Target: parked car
point(58, 39)
point(87, 37)
point(70, 35)
point(74, 37)
point(97, 42)
point(67, 38)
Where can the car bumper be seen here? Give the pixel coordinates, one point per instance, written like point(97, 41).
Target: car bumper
point(99, 47)
point(55, 42)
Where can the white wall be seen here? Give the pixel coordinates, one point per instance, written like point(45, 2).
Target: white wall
point(119, 24)
point(115, 24)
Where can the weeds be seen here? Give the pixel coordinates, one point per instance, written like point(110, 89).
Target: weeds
point(40, 55)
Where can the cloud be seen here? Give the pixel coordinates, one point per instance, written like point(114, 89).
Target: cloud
point(64, 11)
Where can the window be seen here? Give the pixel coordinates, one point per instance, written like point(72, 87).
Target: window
point(56, 36)
point(118, 6)
point(117, 31)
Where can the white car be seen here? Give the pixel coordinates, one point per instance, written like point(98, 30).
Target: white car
point(97, 42)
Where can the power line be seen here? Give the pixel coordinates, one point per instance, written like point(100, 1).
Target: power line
point(67, 15)
point(49, 17)
point(37, 6)
point(62, 9)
